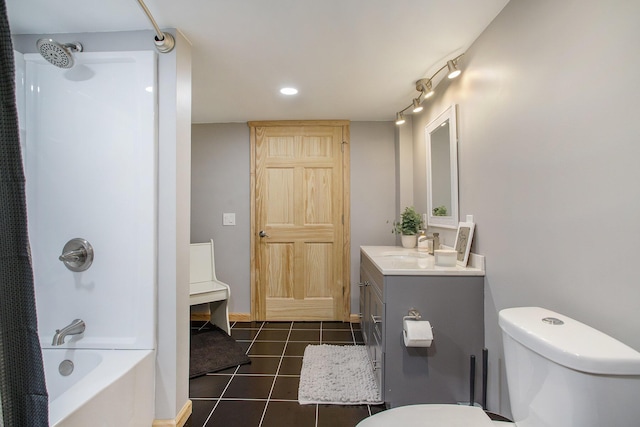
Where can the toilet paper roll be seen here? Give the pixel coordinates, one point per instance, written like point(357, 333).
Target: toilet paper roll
point(417, 333)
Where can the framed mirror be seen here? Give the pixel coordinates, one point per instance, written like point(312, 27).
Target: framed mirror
point(442, 170)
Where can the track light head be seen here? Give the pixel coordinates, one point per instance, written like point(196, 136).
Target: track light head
point(416, 105)
point(453, 70)
point(399, 119)
point(426, 87)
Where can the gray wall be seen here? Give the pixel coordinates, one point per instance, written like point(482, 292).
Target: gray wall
point(548, 164)
point(373, 192)
point(220, 183)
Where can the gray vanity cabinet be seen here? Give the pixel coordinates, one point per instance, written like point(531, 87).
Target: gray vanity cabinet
point(372, 322)
point(453, 305)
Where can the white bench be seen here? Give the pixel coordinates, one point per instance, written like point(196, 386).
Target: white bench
point(205, 288)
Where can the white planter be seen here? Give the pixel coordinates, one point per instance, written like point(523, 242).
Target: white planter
point(409, 241)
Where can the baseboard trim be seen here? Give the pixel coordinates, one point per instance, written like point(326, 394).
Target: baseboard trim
point(239, 317)
point(233, 317)
point(200, 316)
point(180, 420)
point(246, 317)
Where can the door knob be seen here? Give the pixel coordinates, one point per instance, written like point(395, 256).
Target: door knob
point(263, 234)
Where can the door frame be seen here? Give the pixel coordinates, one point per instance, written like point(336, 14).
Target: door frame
point(346, 213)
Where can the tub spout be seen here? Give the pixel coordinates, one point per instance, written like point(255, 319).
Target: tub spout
point(76, 327)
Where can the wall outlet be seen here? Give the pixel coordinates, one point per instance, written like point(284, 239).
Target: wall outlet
point(469, 218)
point(228, 219)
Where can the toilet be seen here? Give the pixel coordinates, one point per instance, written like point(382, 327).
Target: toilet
point(560, 373)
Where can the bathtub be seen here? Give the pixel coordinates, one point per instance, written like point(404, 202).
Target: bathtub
point(106, 388)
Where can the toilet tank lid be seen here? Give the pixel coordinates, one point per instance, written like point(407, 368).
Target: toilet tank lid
point(571, 343)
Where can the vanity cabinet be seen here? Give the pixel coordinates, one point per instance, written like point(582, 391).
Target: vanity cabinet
point(372, 321)
point(453, 304)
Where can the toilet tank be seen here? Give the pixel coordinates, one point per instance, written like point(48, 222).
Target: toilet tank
point(563, 373)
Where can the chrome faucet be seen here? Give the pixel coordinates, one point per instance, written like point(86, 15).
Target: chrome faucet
point(76, 327)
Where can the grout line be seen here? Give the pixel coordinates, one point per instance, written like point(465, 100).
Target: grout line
point(254, 375)
point(229, 382)
point(220, 397)
point(275, 378)
point(254, 339)
point(202, 327)
point(353, 336)
point(243, 399)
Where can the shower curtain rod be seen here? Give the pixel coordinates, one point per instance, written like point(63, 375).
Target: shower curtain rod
point(164, 41)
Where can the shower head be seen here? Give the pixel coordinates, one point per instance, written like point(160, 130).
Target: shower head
point(58, 54)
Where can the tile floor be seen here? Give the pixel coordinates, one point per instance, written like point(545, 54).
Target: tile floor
point(265, 392)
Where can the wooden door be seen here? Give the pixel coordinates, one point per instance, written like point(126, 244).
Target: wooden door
point(300, 220)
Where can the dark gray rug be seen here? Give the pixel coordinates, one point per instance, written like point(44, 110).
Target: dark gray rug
point(213, 350)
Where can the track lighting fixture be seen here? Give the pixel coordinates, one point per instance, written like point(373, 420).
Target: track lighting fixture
point(425, 87)
point(453, 70)
point(416, 105)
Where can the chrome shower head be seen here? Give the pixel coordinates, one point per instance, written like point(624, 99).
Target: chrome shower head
point(58, 54)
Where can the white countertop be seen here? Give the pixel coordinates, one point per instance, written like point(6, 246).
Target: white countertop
point(399, 261)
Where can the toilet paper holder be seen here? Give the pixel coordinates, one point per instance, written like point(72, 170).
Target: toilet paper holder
point(416, 332)
point(413, 314)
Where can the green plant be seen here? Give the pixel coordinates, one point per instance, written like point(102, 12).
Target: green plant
point(440, 211)
point(409, 224)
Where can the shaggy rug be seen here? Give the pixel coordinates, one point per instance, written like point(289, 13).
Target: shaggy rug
point(213, 350)
point(337, 375)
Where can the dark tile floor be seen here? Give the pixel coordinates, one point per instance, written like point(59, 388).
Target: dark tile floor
point(265, 392)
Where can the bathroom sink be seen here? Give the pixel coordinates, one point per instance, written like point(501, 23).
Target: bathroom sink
point(404, 255)
point(396, 260)
point(405, 260)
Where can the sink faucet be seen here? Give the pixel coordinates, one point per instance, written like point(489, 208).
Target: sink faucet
point(76, 327)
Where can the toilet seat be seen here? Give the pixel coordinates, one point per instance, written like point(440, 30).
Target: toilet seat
point(431, 415)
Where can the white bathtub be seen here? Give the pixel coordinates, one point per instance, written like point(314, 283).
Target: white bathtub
point(106, 388)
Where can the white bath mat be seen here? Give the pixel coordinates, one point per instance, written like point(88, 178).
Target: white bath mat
point(337, 375)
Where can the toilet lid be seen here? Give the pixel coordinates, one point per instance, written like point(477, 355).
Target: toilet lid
point(429, 416)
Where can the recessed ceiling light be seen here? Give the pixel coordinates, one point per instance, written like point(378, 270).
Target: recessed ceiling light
point(288, 91)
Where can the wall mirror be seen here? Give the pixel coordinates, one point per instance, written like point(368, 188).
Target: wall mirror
point(442, 170)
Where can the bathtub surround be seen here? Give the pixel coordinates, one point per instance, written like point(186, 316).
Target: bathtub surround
point(108, 159)
point(171, 246)
point(106, 385)
point(110, 146)
point(23, 393)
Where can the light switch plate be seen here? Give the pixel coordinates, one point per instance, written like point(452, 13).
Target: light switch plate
point(228, 219)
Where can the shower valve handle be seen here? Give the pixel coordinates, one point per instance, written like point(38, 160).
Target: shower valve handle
point(77, 255)
point(73, 256)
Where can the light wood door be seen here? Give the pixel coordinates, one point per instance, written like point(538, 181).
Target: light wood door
point(300, 217)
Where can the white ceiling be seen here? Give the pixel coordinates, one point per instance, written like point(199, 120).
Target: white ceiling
point(350, 59)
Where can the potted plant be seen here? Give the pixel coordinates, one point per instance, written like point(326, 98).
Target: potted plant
point(408, 226)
